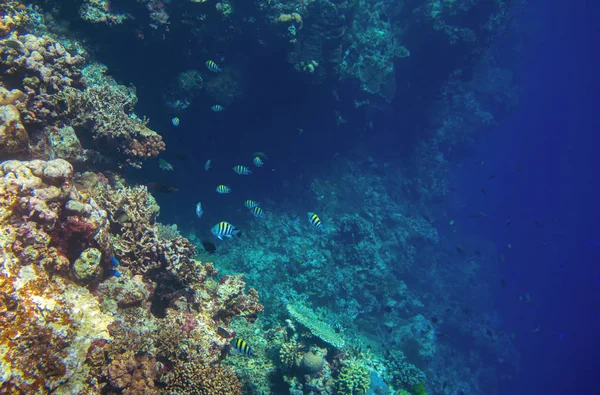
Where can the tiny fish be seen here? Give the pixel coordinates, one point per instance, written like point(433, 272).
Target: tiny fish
point(502, 258)
point(503, 283)
point(161, 188)
point(538, 224)
point(209, 247)
point(508, 222)
point(242, 170)
point(315, 221)
point(164, 165)
point(242, 347)
point(258, 162)
point(223, 189)
point(491, 176)
point(113, 261)
point(207, 165)
point(115, 273)
point(199, 210)
point(257, 212)
point(250, 203)
point(175, 121)
point(224, 229)
point(479, 162)
point(212, 66)
point(460, 248)
point(483, 191)
point(217, 108)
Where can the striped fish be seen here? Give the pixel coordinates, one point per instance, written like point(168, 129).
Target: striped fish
point(242, 347)
point(250, 203)
point(225, 229)
point(257, 212)
point(217, 108)
point(243, 170)
point(212, 66)
point(258, 162)
point(315, 221)
point(223, 189)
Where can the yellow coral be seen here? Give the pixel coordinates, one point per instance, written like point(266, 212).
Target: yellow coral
point(354, 377)
point(293, 17)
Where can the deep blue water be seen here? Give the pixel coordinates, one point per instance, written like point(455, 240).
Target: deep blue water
point(554, 139)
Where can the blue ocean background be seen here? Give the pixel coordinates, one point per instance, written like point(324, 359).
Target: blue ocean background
point(553, 137)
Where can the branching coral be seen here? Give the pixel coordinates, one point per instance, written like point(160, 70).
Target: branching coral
point(106, 108)
point(354, 377)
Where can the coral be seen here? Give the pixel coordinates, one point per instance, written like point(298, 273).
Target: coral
point(354, 377)
point(131, 374)
point(87, 267)
point(228, 300)
point(318, 328)
point(195, 377)
point(293, 17)
point(289, 354)
point(13, 136)
point(106, 108)
point(312, 363)
point(404, 374)
point(99, 11)
point(47, 322)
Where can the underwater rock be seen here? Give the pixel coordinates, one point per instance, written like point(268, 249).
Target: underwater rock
point(65, 144)
point(87, 266)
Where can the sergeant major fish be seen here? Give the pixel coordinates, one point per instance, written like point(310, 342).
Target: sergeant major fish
point(223, 189)
point(257, 212)
point(242, 347)
point(212, 66)
point(224, 229)
point(242, 170)
point(250, 203)
point(217, 108)
point(315, 221)
point(175, 121)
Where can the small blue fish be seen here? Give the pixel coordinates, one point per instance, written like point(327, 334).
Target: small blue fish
point(164, 165)
point(225, 229)
point(250, 204)
point(207, 165)
point(242, 170)
point(315, 221)
point(115, 273)
point(113, 261)
point(199, 211)
point(223, 189)
point(212, 66)
point(175, 121)
point(257, 212)
point(217, 108)
point(258, 162)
